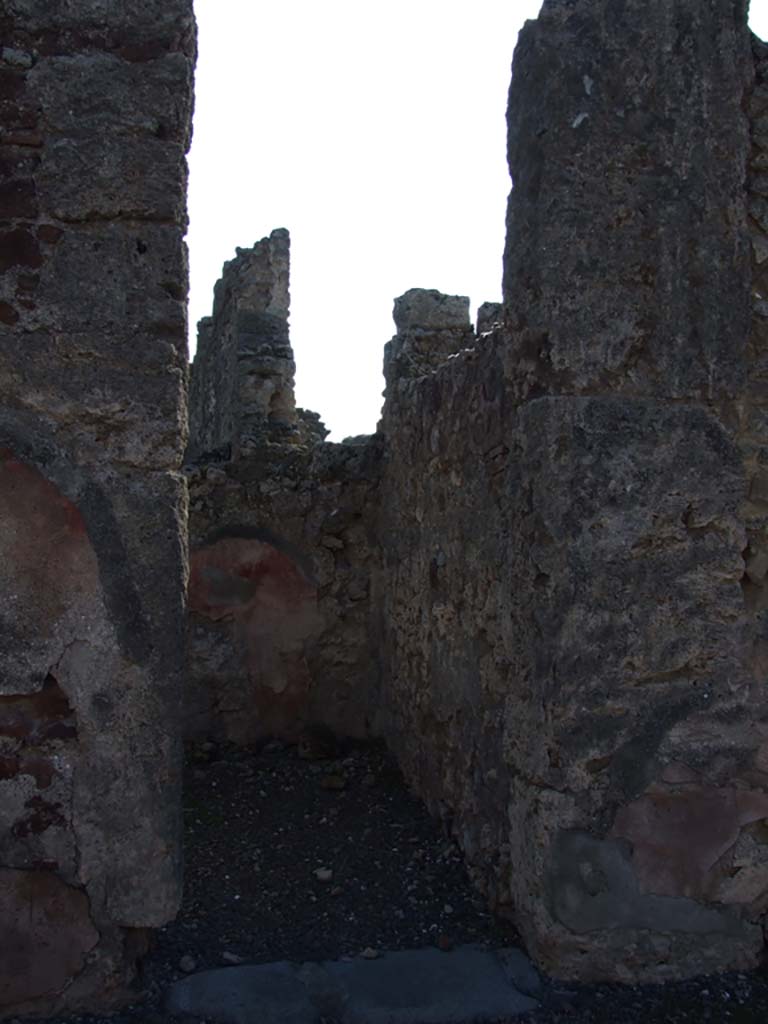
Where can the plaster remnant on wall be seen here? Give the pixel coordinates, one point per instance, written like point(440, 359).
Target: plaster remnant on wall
point(280, 529)
point(95, 102)
point(542, 581)
point(590, 476)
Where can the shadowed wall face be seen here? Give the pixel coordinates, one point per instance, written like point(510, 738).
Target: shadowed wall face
point(573, 597)
point(271, 606)
point(95, 104)
point(281, 529)
point(545, 581)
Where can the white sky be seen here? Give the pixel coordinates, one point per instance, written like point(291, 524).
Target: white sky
point(375, 132)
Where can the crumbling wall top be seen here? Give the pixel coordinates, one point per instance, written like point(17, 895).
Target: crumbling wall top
point(429, 310)
point(242, 387)
point(431, 327)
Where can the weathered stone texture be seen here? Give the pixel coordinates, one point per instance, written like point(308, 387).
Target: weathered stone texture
point(626, 148)
point(94, 104)
point(242, 378)
point(543, 581)
point(280, 530)
point(289, 644)
point(430, 327)
point(573, 645)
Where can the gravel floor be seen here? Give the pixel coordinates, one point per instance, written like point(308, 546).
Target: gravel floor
point(319, 859)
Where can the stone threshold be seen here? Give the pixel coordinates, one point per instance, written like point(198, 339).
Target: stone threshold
point(421, 986)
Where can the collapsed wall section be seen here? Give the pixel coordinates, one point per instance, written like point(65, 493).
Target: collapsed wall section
point(95, 105)
point(241, 391)
point(280, 530)
point(573, 644)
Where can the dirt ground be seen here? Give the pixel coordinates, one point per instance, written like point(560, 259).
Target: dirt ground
point(301, 859)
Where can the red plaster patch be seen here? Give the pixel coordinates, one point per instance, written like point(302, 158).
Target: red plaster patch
point(46, 559)
point(679, 837)
point(273, 607)
point(34, 718)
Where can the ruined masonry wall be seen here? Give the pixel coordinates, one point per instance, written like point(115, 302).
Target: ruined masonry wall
point(94, 106)
point(753, 434)
point(242, 376)
point(282, 549)
point(270, 659)
point(572, 641)
point(543, 580)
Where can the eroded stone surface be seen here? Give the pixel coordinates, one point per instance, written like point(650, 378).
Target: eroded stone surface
point(280, 526)
point(47, 934)
point(95, 104)
point(572, 620)
point(543, 581)
point(272, 606)
point(430, 327)
point(242, 378)
point(627, 146)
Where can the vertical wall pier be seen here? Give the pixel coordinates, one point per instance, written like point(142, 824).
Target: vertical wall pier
point(572, 600)
point(95, 104)
point(241, 392)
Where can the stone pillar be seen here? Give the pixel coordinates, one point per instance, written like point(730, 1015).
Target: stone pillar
point(573, 513)
point(636, 731)
point(95, 106)
point(242, 377)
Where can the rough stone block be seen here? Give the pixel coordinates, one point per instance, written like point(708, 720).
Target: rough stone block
point(627, 256)
point(47, 935)
point(430, 310)
point(267, 994)
point(138, 30)
point(92, 428)
point(145, 429)
point(421, 986)
point(427, 987)
point(109, 277)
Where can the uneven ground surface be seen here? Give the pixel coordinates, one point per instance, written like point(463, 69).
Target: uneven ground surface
point(293, 859)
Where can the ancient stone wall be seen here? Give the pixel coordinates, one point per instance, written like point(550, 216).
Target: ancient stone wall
point(443, 596)
point(280, 530)
point(572, 641)
point(242, 377)
point(94, 107)
point(543, 580)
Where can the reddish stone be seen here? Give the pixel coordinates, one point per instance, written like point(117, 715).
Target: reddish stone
point(23, 137)
point(27, 282)
point(12, 85)
point(679, 837)
point(17, 164)
point(41, 768)
point(8, 314)
point(273, 608)
point(18, 248)
point(18, 199)
point(50, 578)
point(34, 718)
point(49, 233)
point(43, 815)
point(47, 934)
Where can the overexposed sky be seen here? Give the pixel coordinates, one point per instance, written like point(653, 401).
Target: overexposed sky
point(375, 132)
